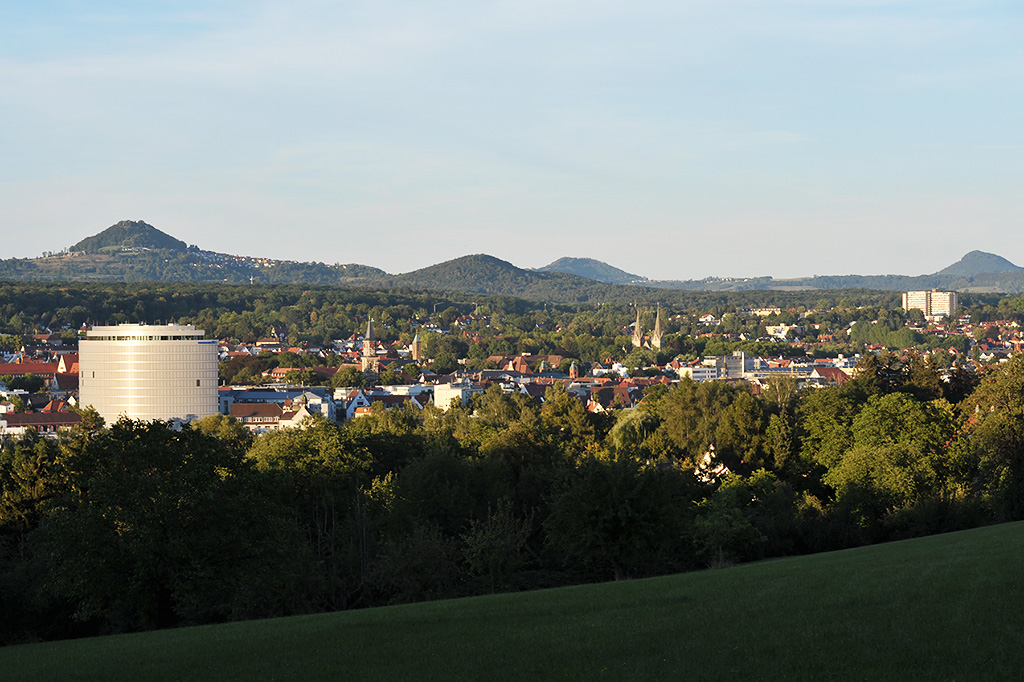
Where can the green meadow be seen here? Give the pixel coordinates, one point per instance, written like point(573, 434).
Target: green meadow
point(945, 607)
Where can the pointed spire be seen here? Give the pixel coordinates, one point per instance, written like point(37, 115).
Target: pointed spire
point(638, 331)
point(369, 343)
point(370, 362)
point(416, 348)
point(657, 333)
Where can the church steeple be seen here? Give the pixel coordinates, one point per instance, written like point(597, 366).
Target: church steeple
point(370, 362)
point(416, 348)
point(638, 331)
point(657, 333)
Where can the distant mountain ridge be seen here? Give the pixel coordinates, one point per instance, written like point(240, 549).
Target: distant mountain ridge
point(134, 251)
point(594, 269)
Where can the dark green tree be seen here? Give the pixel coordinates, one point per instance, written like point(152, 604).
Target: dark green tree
point(617, 517)
point(898, 457)
point(226, 429)
point(574, 431)
point(493, 546)
point(993, 438)
point(163, 527)
point(348, 377)
point(739, 434)
point(321, 474)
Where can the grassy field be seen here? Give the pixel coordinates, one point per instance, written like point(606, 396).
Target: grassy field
point(947, 607)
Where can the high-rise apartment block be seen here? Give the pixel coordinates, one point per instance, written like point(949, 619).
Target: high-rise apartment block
point(932, 303)
point(166, 372)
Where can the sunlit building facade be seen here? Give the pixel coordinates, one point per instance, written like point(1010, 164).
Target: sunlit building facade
point(932, 303)
point(166, 372)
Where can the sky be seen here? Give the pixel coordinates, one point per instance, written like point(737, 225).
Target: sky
point(675, 139)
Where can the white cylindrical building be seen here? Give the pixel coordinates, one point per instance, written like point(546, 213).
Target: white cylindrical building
point(166, 372)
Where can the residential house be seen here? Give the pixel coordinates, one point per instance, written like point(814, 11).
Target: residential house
point(46, 423)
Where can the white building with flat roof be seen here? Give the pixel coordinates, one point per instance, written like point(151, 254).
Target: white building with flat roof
point(444, 394)
point(932, 303)
point(166, 372)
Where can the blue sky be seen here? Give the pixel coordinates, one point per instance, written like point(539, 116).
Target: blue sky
point(675, 140)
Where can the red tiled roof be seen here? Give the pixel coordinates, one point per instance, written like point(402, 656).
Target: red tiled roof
point(68, 363)
point(607, 395)
point(37, 368)
point(833, 374)
point(55, 406)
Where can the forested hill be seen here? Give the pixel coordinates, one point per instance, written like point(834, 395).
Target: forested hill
point(128, 235)
point(979, 262)
point(489, 276)
point(483, 274)
point(166, 265)
point(135, 251)
point(592, 269)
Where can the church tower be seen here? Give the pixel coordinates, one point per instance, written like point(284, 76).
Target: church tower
point(371, 364)
point(416, 349)
point(638, 331)
point(657, 333)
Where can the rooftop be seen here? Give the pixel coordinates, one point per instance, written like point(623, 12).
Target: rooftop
point(151, 332)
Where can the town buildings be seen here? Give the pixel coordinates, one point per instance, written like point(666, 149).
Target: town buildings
point(600, 385)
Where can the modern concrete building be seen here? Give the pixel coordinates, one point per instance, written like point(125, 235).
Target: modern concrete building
point(444, 394)
point(166, 372)
point(698, 373)
point(932, 303)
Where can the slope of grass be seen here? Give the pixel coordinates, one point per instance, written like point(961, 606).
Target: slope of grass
point(948, 607)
